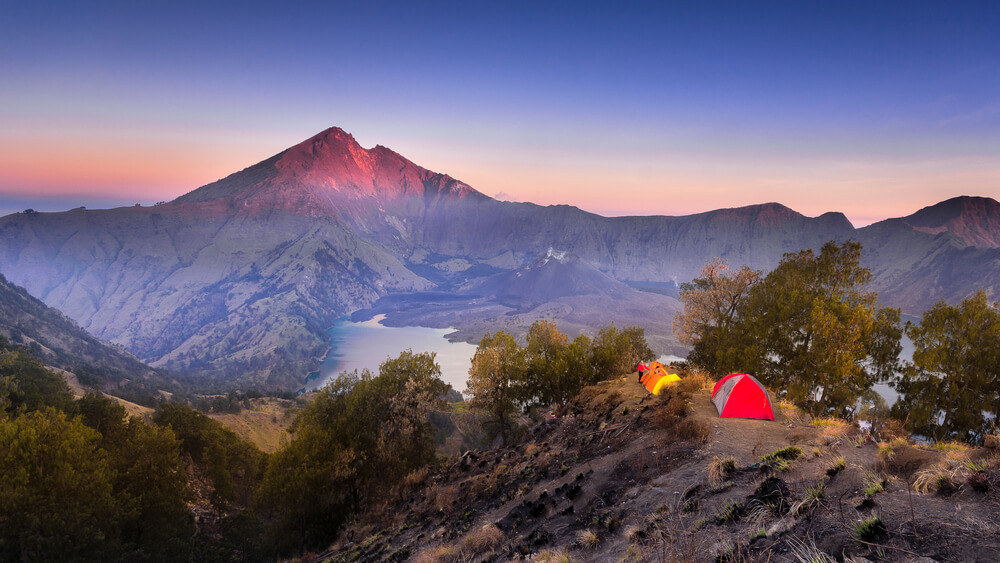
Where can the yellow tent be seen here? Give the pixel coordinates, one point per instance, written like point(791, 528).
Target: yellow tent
point(656, 377)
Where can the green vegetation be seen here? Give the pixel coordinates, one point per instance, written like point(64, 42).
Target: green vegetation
point(838, 465)
point(360, 435)
point(729, 513)
point(951, 385)
point(505, 378)
point(870, 529)
point(497, 379)
point(234, 467)
point(789, 453)
point(810, 327)
point(80, 481)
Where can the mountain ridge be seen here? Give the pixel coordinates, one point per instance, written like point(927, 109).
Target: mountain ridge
point(240, 278)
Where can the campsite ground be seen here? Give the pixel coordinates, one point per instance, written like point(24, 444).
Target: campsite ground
point(621, 475)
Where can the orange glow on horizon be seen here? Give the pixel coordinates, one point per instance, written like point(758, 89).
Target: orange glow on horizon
point(615, 185)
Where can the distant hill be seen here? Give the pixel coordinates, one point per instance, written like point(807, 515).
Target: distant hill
point(59, 342)
point(237, 281)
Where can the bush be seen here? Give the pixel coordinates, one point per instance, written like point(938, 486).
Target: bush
point(870, 529)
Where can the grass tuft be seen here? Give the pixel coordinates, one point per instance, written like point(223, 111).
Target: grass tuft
point(805, 551)
point(874, 483)
point(814, 496)
point(839, 465)
point(588, 539)
point(719, 469)
point(729, 513)
point(485, 539)
point(870, 529)
point(790, 453)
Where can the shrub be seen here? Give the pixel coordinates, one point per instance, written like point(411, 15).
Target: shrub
point(720, 469)
point(485, 539)
point(979, 481)
point(870, 529)
point(588, 539)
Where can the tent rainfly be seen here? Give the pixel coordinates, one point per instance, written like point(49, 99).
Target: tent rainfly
point(739, 395)
point(656, 377)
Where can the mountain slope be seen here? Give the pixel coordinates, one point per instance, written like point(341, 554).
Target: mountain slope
point(59, 342)
point(239, 279)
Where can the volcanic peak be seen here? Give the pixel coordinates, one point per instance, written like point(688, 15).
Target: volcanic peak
point(327, 172)
point(974, 220)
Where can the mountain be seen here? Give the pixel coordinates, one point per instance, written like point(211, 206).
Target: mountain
point(238, 280)
point(59, 342)
point(974, 220)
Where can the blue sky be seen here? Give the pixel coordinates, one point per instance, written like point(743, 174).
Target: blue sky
point(871, 108)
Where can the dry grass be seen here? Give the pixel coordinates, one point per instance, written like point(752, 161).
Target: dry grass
point(550, 556)
point(903, 460)
point(443, 498)
point(484, 540)
point(588, 539)
point(791, 412)
point(415, 479)
point(695, 381)
point(992, 441)
point(671, 414)
point(719, 469)
point(805, 551)
point(935, 480)
point(439, 554)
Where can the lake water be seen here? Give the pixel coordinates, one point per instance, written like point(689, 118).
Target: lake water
point(367, 344)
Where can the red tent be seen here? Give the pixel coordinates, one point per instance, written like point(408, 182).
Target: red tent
point(739, 395)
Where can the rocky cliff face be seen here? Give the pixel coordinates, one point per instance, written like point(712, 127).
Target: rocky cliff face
point(240, 278)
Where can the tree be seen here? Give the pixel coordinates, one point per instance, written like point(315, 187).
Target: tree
point(149, 485)
point(950, 389)
point(616, 352)
point(359, 436)
point(233, 465)
point(30, 386)
point(55, 489)
point(711, 301)
point(496, 379)
point(548, 379)
point(809, 329)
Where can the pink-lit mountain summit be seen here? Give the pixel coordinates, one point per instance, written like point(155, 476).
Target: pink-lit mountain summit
point(331, 174)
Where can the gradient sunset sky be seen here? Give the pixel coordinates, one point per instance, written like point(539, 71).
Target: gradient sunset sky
point(875, 109)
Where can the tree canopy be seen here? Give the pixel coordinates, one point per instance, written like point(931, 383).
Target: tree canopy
point(950, 389)
point(360, 435)
point(810, 329)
